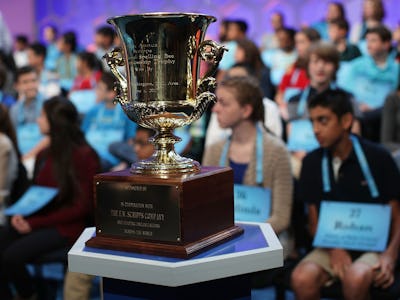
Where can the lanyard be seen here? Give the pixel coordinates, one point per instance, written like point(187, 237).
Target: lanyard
point(259, 155)
point(304, 97)
point(363, 164)
point(38, 106)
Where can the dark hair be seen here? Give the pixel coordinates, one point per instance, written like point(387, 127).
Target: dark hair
point(7, 127)
point(326, 52)
point(21, 38)
point(65, 134)
point(247, 91)
point(341, 24)
point(3, 76)
point(109, 80)
point(291, 32)
point(39, 49)
point(70, 39)
point(90, 59)
point(252, 55)
point(338, 101)
point(106, 31)
point(311, 34)
point(8, 61)
point(242, 24)
point(382, 31)
point(24, 70)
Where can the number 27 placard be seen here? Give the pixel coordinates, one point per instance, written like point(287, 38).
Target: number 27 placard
point(353, 226)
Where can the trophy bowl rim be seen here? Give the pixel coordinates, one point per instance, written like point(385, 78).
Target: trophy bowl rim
point(164, 14)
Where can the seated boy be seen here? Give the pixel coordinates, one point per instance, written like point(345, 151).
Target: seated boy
point(331, 114)
point(106, 123)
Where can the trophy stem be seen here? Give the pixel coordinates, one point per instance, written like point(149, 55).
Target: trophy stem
point(165, 161)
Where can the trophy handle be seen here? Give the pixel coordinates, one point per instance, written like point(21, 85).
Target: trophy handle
point(211, 52)
point(114, 60)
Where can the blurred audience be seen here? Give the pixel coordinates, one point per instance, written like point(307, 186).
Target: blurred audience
point(335, 11)
point(50, 36)
point(106, 122)
point(69, 165)
point(270, 40)
point(26, 110)
point(247, 53)
point(20, 52)
point(8, 160)
point(66, 62)
point(337, 31)
point(370, 78)
point(295, 78)
point(49, 85)
point(279, 60)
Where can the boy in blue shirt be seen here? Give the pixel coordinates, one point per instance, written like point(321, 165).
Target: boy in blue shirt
point(106, 122)
point(346, 177)
point(25, 112)
point(370, 78)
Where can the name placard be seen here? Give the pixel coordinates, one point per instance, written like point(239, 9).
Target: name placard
point(35, 198)
point(252, 203)
point(353, 226)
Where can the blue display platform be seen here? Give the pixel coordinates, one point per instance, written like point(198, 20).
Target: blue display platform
point(221, 271)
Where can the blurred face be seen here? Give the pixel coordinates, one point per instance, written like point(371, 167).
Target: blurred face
point(334, 33)
point(328, 129)
point(19, 46)
point(142, 147)
point(375, 45)
point(284, 41)
point(321, 71)
point(302, 44)
point(333, 12)
point(233, 32)
point(369, 9)
point(229, 111)
point(34, 60)
point(103, 94)
point(28, 85)
point(80, 65)
point(276, 21)
point(98, 40)
point(43, 123)
point(48, 34)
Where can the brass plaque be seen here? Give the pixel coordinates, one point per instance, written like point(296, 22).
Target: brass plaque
point(139, 211)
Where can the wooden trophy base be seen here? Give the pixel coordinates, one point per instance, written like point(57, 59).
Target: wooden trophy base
point(175, 216)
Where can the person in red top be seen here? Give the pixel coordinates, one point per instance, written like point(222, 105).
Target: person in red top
point(89, 71)
point(69, 165)
point(296, 77)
